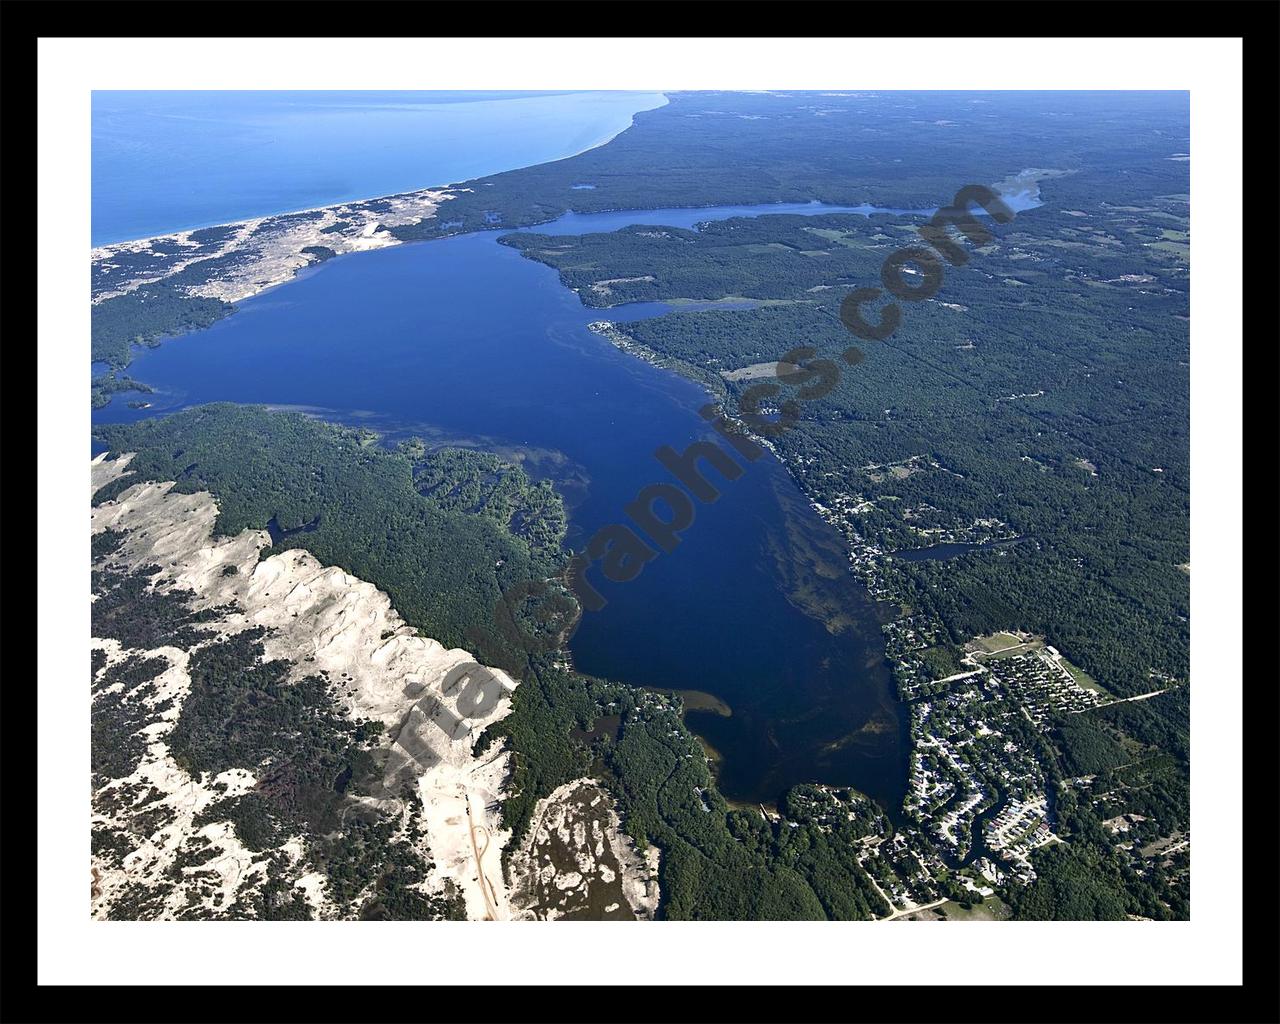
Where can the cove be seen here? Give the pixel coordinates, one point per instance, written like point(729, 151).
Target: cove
point(464, 339)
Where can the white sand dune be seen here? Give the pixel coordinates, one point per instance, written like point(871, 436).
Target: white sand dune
point(320, 618)
point(272, 255)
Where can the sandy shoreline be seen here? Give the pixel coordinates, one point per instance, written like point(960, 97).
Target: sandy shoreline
point(259, 253)
point(449, 187)
point(105, 247)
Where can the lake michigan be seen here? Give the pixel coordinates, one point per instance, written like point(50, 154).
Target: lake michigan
point(171, 161)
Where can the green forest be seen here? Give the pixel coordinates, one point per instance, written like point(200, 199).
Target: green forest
point(1060, 411)
point(1040, 396)
point(897, 150)
point(908, 151)
point(145, 316)
point(718, 863)
point(366, 501)
point(444, 568)
point(243, 711)
point(1043, 394)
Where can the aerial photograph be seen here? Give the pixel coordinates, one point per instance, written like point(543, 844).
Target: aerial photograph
point(638, 506)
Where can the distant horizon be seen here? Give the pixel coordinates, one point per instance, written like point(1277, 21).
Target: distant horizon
point(199, 165)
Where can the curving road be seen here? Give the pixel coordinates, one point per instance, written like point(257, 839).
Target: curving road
point(486, 886)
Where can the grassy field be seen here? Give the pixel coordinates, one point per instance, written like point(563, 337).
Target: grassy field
point(997, 642)
point(991, 909)
point(1175, 250)
point(1083, 678)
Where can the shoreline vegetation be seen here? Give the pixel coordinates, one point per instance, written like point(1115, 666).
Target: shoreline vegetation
point(1026, 784)
point(566, 727)
point(233, 826)
point(888, 460)
point(653, 768)
point(151, 289)
point(147, 291)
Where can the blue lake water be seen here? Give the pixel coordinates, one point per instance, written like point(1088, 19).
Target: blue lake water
point(205, 158)
point(462, 339)
point(691, 216)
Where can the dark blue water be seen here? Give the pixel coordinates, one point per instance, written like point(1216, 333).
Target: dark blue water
point(462, 338)
point(941, 552)
point(204, 158)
